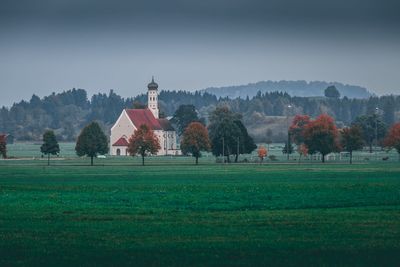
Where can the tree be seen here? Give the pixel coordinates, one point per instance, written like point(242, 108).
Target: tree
point(50, 145)
point(3, 146)
point(223, 131)
point(296, 130)
point(351, 140)
point(143, 141)
point(302, 150)
point(195, 139)
point(91, 142)
point(332, 92)
point(262, 153)
point(389, 110)
point(392, 139)
point(183, 116)
point(138, 105)
point(285, 149)
point(371, 125)
point(245, 143)
point(321, 135)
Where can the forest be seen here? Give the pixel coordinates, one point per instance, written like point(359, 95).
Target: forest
point(265, 115)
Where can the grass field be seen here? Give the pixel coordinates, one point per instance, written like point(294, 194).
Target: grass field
point(67, 150)
point(216, 215)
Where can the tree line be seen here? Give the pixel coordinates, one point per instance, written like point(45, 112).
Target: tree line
point(68, 112)
point(322, 136)
point(225, 135)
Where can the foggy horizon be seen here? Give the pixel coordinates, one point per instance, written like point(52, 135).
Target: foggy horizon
point(52, 46)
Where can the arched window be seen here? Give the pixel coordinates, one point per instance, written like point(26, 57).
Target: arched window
point(118, 152)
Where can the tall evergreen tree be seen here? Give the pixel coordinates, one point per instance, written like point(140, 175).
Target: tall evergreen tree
point(245, 143)
point(388, 110)
point(50, 145)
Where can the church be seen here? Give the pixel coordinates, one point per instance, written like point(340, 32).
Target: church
point(131, 119)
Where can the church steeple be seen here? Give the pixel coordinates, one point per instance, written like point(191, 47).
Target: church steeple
point(152, 97)
point(152, 85)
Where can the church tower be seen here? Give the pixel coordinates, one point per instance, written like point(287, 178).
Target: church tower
point(152, 97)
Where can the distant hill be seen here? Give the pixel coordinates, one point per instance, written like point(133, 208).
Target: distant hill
point(294, 88)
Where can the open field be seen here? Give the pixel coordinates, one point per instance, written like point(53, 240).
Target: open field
point(180, 214)
point(67, 151)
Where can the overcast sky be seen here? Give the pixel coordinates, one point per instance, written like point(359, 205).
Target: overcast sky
point(98, 45)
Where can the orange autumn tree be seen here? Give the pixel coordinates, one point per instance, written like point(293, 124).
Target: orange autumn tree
point(302, 150)
point(297, 128)
point(296, 131)
point(262, 153)
point(143, 141)
point(195, 139)
point(321, 135)
point(392, 139)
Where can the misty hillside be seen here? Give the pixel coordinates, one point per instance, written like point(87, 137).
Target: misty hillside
point(294, 88)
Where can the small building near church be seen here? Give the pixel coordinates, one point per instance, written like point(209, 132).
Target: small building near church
point(131, 119)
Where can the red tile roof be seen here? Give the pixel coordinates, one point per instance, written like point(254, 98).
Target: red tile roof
point(143, 116)
point(121, 142)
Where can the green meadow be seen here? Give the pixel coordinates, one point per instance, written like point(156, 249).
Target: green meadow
point(172, 213)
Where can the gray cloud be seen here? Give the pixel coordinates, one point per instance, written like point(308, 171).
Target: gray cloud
point(50, 45)
point(243, 11)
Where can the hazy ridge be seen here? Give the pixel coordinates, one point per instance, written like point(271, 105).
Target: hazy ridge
point(294, 88)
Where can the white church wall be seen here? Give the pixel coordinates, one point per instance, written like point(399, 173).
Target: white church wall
point(122, 151)
point(160, 136)
point(122, 128)
point(169, 142)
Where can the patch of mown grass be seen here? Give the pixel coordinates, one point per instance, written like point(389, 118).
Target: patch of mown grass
point(229, 215)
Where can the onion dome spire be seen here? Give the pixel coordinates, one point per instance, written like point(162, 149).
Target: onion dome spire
point(152, 85)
